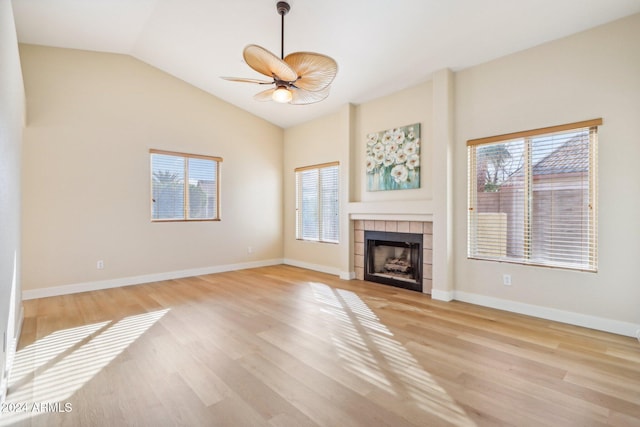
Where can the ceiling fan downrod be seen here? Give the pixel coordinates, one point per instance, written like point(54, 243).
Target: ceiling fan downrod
point(283, 8)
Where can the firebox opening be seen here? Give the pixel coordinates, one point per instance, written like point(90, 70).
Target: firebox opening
point(394, 259)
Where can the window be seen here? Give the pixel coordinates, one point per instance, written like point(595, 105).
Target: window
point(532, 197)
point(317, 207)
point(184, 187)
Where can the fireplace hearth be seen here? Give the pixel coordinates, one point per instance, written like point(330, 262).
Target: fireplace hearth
point(393, 259)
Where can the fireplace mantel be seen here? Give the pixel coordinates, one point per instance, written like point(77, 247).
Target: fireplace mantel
point(405, 210)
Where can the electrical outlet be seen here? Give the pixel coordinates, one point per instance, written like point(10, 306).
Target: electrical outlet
point(506, 279)
point(250, 249)
point(100, 264)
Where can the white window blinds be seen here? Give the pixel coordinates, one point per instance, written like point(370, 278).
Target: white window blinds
point(184, 187)
point(317, 206)
point(532, 197)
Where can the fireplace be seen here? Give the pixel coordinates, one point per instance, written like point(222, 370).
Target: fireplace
point(393, 259)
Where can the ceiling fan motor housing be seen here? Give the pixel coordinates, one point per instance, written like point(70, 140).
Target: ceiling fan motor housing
point(283, 7)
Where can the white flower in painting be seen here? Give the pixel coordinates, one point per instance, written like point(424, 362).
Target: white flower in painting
point(372, 138)
point(401, 157)
point(379, 157)
point(391, 148)
point(398, 136)
point(371, 163)
point(378, 148)
point(410, 148)
point(400, 173)
point(389, 159)
point(413, 161)
point(387, 137)
point(411, 134)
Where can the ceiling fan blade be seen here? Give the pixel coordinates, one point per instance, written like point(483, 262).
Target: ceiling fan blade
point(268, 64)
point(243, 80)
point(315, 71)
point(265, 95)
point(302, 97)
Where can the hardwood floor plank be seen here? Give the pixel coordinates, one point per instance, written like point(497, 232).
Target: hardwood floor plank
point(233, 411)
point(254, 392)
point(204, 383)
point(303, 397)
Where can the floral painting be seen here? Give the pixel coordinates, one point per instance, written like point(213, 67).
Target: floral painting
point(393, 159)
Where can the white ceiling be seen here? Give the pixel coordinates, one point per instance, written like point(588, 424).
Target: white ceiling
point(381, 46)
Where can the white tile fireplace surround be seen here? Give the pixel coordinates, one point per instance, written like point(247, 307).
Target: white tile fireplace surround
point(419, 227)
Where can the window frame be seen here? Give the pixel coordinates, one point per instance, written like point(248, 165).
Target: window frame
point(299, 203)
point(186, 157)
point(527, 258)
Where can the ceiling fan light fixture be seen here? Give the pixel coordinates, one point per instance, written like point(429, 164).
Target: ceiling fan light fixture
point(282, 95)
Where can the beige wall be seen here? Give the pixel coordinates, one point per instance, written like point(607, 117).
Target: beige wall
point(585, 76)
point(413, 105)
point(11, 123)
point(309, 144)
point(342, 137)
point(92, 118)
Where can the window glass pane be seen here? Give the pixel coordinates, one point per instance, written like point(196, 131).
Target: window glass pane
point(184, 186)
point(202, 188)
point(317, 205)
point(500, 195)
point(329, 199)
point(167, 186)
point(310, 216)
point(560, 208)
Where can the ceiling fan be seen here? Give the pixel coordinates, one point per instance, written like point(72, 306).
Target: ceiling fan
point(299, 78)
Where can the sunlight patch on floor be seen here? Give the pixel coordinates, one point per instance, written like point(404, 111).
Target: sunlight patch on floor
point(53, 368)
point(368, 349)
point(32, 357)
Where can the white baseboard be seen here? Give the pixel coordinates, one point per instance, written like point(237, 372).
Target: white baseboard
point(577, 319)
point(137, 280)
point(314, 267)
point(441, 295)
point(347, 275)
point(11, 356)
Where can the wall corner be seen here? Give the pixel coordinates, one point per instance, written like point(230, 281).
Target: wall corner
point(442, 139)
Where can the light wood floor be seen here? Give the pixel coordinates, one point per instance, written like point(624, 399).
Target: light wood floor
point(282, 346)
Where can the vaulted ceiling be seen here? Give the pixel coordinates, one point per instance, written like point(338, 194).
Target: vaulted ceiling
point(381, 46)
